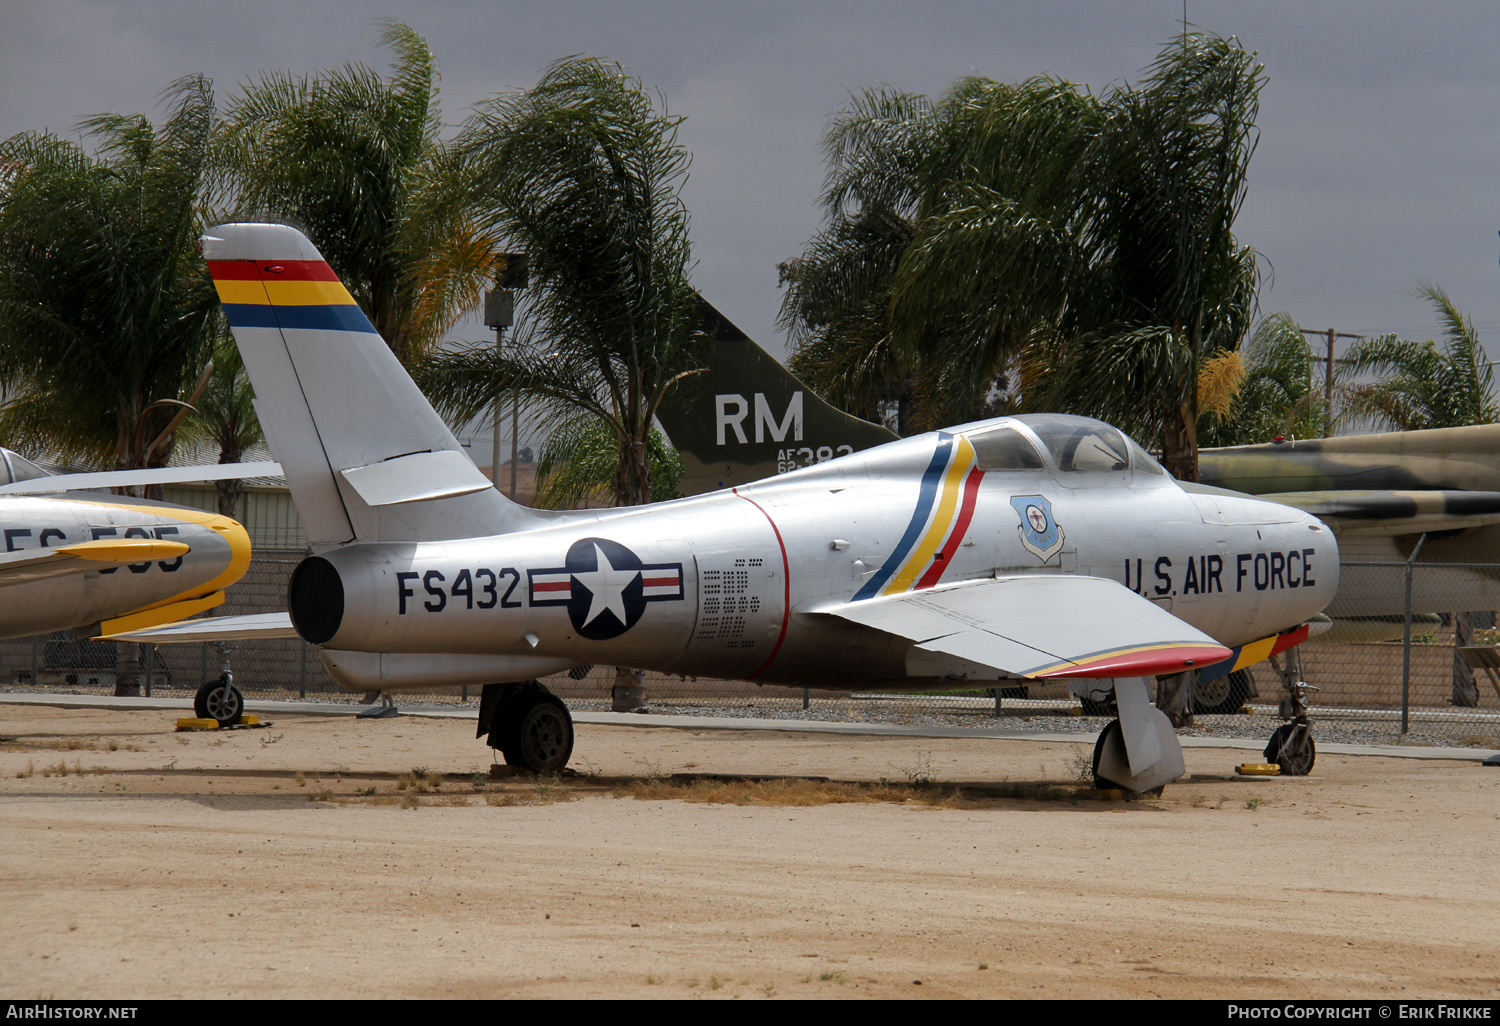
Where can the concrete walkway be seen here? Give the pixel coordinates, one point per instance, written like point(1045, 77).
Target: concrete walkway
point(735, 723)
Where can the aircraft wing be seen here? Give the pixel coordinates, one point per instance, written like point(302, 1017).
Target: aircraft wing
point(131, 478)
point(27, 565)
point(252, 627)
point(1392, 512)
point(1041, 626)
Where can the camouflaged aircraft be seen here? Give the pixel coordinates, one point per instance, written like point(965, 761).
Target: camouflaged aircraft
point(1382, 494)
point(1008, 550)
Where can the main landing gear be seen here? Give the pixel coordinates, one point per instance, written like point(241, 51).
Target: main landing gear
point(528, 724)
point(1139, 750)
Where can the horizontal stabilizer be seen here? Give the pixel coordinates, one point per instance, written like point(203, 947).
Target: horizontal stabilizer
point(1350, 513)
point(1041, 626)
point(254, 627)
point(419, 477)
point(29, 565)
point(133, 478)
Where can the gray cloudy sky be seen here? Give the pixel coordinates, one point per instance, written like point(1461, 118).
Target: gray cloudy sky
point(1377, 162)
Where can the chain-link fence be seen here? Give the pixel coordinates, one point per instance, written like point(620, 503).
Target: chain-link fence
point(1375, 684)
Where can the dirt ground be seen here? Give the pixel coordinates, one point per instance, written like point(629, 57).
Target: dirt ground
point(203, 865)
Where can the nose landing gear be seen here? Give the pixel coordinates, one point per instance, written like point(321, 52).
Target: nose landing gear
point(1291, 746)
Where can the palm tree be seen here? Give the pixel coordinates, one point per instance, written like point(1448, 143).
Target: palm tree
point(837, 305)
point(1424, 386)
point(1077, 247)
point(106, 310)
point(356, 161)
point(1265, 388)
point(582, 174)
point(578, 462)
point(225, 417)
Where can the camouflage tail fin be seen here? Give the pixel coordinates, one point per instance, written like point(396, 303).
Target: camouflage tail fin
point(747, 417)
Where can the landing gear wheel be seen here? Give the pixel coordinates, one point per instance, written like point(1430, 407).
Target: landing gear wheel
point(1100, 783)
point(1294, 754)
point(1103, 783)
point(539, 733)
point(1222, 695)
point(219, 700)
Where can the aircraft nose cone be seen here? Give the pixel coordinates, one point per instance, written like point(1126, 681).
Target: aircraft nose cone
point(238, 539)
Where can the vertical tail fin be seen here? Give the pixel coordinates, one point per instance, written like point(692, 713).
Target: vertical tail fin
point(366, 456)
point(747, 417)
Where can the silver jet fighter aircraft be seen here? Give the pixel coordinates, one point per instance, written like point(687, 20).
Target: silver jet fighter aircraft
point(100, 565)
point(1006, 550)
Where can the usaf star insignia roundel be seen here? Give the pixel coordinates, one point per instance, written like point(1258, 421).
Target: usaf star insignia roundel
point(605, 586)
point(1040, 533)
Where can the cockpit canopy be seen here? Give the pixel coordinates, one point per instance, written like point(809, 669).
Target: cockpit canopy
point(15, 467)
point(1075, 444)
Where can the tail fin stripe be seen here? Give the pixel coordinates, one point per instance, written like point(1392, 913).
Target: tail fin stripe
point(324, 318)
point(282, 270)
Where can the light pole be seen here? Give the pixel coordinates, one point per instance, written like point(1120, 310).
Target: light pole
point(500, 313)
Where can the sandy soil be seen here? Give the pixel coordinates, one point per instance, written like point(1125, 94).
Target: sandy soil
point(197, 865)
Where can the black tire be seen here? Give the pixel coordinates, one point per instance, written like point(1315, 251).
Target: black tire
point(219, 700)
point(1293, 763)
point(1222, 695)
point(1102, 783)
point(536, 731)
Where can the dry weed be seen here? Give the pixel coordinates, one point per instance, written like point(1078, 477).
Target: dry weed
point(410, 801)
point(301, 779)
point(434, 780)
point(30, 769)
point(404, 781)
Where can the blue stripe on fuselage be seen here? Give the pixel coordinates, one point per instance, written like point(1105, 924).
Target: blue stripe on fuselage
point(930, 479)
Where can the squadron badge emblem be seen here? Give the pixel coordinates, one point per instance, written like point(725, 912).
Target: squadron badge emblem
point(1040, 532)
point(605, 587)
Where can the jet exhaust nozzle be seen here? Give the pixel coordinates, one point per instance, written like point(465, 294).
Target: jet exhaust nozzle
point(315, 599)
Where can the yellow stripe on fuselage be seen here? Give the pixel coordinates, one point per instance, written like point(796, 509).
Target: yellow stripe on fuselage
point(283, 293)
point(942, 520)
point(1254, 652)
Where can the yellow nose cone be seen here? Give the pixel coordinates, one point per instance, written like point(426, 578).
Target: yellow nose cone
point(233, 532)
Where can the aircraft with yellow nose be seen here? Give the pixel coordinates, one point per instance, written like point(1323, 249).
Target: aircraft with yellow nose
point(100, 565)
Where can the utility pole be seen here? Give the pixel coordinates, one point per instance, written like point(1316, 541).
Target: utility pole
point(500, 313)
point(1330, 335)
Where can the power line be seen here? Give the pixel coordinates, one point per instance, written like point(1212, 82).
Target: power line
point(1327, 361)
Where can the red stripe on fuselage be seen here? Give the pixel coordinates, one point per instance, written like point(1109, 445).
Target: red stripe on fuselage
point(786, 577)
point(1291, 639)
point(960, 528)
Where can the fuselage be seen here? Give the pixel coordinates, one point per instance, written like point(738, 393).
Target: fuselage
point(219, 553)
point(730, 583)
